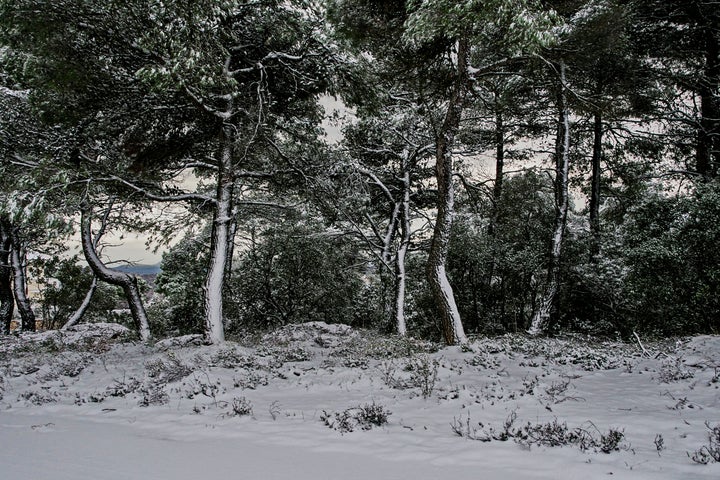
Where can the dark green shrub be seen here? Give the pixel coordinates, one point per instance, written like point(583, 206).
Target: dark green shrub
point(297, 272)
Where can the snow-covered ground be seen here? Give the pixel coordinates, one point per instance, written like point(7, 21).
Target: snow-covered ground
point(320, 401)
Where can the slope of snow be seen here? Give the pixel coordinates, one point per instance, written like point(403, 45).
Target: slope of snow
point(89, 405)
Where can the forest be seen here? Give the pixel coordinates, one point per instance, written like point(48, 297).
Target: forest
point(539, 166)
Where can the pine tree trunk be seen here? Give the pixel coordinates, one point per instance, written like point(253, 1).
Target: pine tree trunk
point(708, 136)
point(546, 309)
point(18, 261)
point(80, 312)
point(127, 282)
point(400, 270)
point(7, 301)
point(220, 244)
point(499, 170)
point(443, 295)
point(595, 186)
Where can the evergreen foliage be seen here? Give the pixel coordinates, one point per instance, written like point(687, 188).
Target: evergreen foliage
point(215, 108)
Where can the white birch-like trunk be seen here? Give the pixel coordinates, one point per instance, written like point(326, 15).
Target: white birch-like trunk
point(449, 297)
point(17, 261)
point(400, 270)
point(542, 315)
point(220, 246)
point(389, 237)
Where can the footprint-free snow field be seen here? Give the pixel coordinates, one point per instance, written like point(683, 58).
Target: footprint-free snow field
point(319, 401)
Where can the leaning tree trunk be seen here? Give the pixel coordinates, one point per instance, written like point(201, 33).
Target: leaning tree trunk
point(595, 187)
point(220, 243)
point(545, 309)
point(7, 301)
point(127, 282)
point(80, 311)
point(18, 262)
point(443, 295)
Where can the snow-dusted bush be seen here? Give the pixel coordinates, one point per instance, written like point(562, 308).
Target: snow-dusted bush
point(231, 357)
point(589, 353)
point(250, 380)
point(123, 387)
point(424, 374)
point(181, 341)
point(368, 344)
point(153, 394)
point(168, 369)
point(673, 370)
point(240, 407)
point(547, 434)
point(202, 385)
point(364, 417)
point(37, 397)
point(710, 452)
point(71, 365)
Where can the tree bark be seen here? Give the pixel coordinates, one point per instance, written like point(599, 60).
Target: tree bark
point(220, 243)
point(546, 311)
point(127, 282)
point(444, 297)
point(80, 311)
point(400, 271)
point(708, 137)
point(7, 301)
point(18, 261)
point(595, 186)
point(499, 169)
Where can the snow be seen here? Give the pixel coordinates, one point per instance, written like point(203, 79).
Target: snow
point(93, 404)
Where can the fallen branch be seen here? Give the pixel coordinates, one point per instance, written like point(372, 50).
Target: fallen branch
point(642, 347)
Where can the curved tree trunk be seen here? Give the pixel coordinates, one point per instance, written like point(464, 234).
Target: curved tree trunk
point(7, 301)
point(80, 312)
point(452, 327)
point(546, 308)
point(127, 282)
point(19, 267)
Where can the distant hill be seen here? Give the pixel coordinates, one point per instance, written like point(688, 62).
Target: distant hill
point(141, 270)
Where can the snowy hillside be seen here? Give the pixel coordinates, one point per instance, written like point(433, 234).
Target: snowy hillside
point(319, 401)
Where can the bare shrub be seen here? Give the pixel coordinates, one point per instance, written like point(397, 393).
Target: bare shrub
point(424, 374)
point(37, 398)
point(711, 452)
point(167, 370)
point(672, 370)
point(153, 394)
point(123, 387)
point(240, 407)
point(548, 434)
point(364, 417)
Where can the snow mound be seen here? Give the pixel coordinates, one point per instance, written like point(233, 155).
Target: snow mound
point(702, 351)
point(309, 332)
point(88, 335)
point(588, 353)
point(179, 342)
